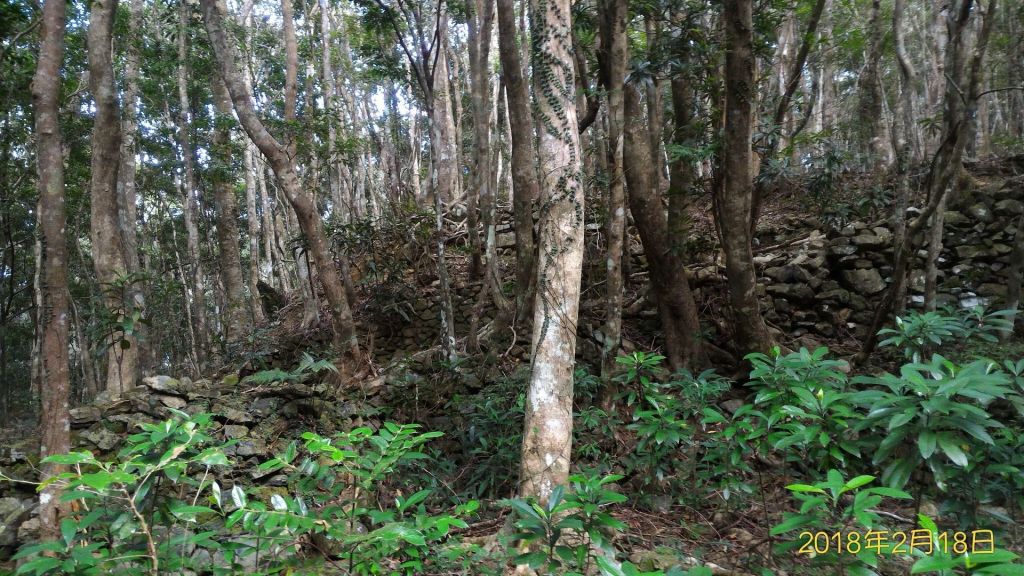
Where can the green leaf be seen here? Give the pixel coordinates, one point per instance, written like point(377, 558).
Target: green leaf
point(934, 564)
point(238, 496)
point(804, 488)
point(952, 450)
point(790, 523)
point(857, 482)
point(68, 529)
point(926, 443)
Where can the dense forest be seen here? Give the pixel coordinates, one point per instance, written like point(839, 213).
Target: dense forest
point(594, 287)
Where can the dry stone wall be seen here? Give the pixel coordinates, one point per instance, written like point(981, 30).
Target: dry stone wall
point(827, 282)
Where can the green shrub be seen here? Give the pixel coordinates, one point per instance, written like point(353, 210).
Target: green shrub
point(158, 507)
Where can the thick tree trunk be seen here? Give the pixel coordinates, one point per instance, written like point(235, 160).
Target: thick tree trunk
point(55, 382)
point(525, 187)
point(613, 58)
point(281, 161)
point(547, 436)
point(733, 201)
point(107, 246)
point(238, 315)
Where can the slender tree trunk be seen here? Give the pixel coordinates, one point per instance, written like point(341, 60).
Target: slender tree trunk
point(127, 195)
point(481, 196)
point(238, 313)
point(525, 186)
point(870, 92)
point(733, 201)
point(190, 200)
point(670, 285)
point(252, 221)
point(55, 382)
point(282, 162)
point(614, 56)
point(444, 158)
point(903, 137)
point(960, 108)
point(547, 437)
point(107, 246)
point(782, 109)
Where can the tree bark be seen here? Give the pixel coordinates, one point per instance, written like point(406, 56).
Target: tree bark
point(238, 315)
point(55, 384)
point(107, 246)
point(525, 186)
point(190, 197)
point(281, 161)
point(613, 57)
point(733, 201)
point(547, 437)
point(870, 91)
point(669, 283)
point(902, 145)
point(127, 195)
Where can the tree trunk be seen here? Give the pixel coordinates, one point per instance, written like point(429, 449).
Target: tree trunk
point(547, 436)
point(127, 195)
point(733, 201)
point(613, 57)
point(107, 246)
point(960, 108)
point(55, 382)
point(902, 145)
point(284, 169)
point(190, 200)
point(870, 92)
point(669, 282)
point(480, 22)
point(238, 313)
point(444, 159)
point(525, 187)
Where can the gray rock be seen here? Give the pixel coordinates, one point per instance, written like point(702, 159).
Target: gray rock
point(792, 292)
point(864, 281)
point(233, 415)
point(164, 384)
point(176, 402)
point(867, 241)
point(29, 530)
point(252, 447)
point(980, 212)
point(101, 438)
point(973, 252)
point(85, 415)
point(954, 218)
point(235, 431)
point(835, 295)
point(12, 513)
point(1009, 207)
point(787, 274)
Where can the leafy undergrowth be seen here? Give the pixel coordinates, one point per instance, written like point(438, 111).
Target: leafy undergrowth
point(814, 471)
